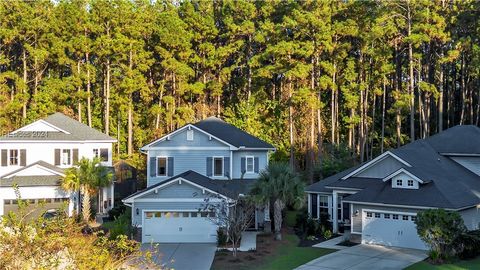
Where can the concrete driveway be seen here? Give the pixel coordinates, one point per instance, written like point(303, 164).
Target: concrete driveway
point(182, 256)
point(368, 257)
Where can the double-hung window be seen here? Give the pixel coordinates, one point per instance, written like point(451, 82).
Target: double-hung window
point(323, 204)
point(218, 166)
point(66, 157)
point(161, 166)
point(14, 158)
point(250, 164)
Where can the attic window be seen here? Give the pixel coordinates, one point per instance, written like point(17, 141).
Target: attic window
point(410, 183)
point(190, 135)
point(399, 182)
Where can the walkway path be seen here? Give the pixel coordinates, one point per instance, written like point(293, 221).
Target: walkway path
point(367, 257)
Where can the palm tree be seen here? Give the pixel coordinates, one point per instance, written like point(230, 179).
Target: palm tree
point(280, 185)
point(86, 177)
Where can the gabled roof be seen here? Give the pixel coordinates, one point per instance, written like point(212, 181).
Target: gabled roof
point(446, 183)
point(31, 181)
point(228, 188)
point(231, 134)
point(67, 129)
point(458, 140)
point(11, 178)
point(46, 165)
point(225, 133)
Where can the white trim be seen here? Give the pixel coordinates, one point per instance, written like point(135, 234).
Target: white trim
point(399, 206)
point(319, 192)
point(148, 146)
point(253, 164)
point(213, 167)
point(175, 200)
point(260, 148)
point(130, 200)
point(388, 212)
point(402, 170)
point(166, 166)
point(43, 122)
point(344, 189)
point(460, 154)
point(57, 141)
point(189, 148)
point(190, 134)
point(28, 167)
point(230, 175)
point(374, 161)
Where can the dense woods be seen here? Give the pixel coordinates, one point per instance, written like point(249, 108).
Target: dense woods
point(311, 77)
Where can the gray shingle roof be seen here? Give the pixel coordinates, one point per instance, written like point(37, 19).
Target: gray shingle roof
point(228, 188)
point(447, 183)
point(231, 134)
point(458, 140)
point(33, 180)
point(41, 163)
point(78, 132)
point(29, 181)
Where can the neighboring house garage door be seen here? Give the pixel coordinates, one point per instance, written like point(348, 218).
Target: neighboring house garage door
point(390, 229)
point(178, 227)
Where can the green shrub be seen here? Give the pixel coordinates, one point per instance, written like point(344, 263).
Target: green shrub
point(439, 229)
point(301, 220)
point(467, 245)
point(221, 237)
point(116, 211)
point(311, 227)
point(120, 226)
point(327, 234)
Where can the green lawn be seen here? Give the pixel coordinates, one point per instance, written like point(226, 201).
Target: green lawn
point(290, 256)
point(460, 265)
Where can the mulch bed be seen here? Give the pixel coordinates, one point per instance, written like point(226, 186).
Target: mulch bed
point(266, 245)
point(347, 243)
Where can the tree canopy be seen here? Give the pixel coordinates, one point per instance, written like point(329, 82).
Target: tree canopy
point(299, 74)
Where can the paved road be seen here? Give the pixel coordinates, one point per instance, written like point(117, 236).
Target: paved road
point(366, 257)
point(185, 256)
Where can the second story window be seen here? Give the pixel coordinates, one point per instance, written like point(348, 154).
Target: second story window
point(410, 183)
point(161, 166)
point(66, 157)
point(14, 157)
point(218, 166)
point(250, 164)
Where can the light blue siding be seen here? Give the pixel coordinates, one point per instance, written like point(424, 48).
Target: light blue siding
point(237, 166)
point(176, 190)
point(200, 139)
point(382, 169)
point(184, 160)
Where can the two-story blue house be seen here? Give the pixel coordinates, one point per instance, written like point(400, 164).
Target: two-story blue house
point(209, 159)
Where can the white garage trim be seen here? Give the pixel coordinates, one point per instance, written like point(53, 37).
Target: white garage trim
point(397, 230)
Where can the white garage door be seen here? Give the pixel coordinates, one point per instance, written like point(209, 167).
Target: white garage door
point(390, 229)
point(178, 227)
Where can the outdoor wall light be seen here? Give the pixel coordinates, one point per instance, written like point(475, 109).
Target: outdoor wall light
point(356, 213)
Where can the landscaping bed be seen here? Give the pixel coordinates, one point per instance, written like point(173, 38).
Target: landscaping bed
point(459, 265)
point(270, 254)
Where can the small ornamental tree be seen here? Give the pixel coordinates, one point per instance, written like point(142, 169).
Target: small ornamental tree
point(439, 229)
point(233, 216)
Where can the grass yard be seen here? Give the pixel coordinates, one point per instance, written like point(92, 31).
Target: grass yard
point(270, 255)
point(460, 265)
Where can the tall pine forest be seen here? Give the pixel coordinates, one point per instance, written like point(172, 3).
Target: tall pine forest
point(329, 83)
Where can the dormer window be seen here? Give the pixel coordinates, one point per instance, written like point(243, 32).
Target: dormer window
point(399, 182)
point(410, 183)
point(190, 135)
